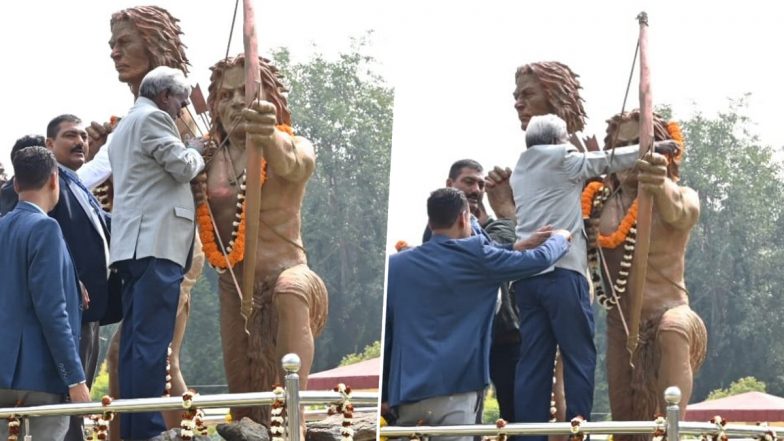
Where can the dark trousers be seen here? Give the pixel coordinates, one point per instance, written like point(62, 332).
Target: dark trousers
point(89, 345)
point(503, 364)
point(150, 295)
point(555, 310)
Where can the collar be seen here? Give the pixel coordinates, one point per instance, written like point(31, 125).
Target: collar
point(29, 206)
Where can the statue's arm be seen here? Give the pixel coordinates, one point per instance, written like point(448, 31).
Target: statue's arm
point(677, 206)
point(290, 157)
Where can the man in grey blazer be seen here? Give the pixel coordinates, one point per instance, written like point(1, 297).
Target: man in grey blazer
point(152, 235)
point(555, 308)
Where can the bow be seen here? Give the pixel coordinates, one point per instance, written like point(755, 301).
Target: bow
point(645, 201)
point(253, 91)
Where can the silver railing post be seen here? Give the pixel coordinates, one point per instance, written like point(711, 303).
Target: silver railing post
point(291, 364)
point(672, 395)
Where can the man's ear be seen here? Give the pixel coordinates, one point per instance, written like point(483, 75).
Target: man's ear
point(54, 180)
point(49, 143)
point(449, 182)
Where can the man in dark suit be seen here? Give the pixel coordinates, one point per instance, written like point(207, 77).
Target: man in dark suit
point(39, 300)
point(441, 299)
point(85, 227)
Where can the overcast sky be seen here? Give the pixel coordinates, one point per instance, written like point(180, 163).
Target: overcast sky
point(452, 65)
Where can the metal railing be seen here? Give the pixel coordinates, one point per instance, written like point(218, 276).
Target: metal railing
point(293, 396)
point(674, 428)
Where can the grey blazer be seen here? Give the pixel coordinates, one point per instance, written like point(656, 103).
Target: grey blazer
point(547, 183)
point(153, 214)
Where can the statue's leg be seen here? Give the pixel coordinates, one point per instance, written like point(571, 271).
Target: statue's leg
point(112, 365)
point(619, 373)
point(178, 385)
point(296, 291)
point(674, 344)
point(234, 342)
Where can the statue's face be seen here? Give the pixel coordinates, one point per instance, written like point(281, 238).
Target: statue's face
point(70, 144)
point(530, 99)
point(231, 101)
point(129, 53)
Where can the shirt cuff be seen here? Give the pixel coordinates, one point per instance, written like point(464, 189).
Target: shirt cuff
point(76, 384)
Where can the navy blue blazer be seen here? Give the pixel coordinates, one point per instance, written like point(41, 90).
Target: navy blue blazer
point(86, 247)
point(441, 299)
point(39, 305)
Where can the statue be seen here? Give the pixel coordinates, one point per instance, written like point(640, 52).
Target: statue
point(143, 38)
point(673, 338)
point(289, 300)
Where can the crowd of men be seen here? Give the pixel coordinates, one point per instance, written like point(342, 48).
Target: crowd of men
point(68, 266)
point(487, 299)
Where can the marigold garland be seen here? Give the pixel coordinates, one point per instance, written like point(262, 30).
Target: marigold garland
point(619, 235)
point(674, 129)
point(236, 247)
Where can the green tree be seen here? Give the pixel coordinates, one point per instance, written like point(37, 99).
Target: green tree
point(741, 385)
point(733, 262)
point(372, 350)
point(345, 109)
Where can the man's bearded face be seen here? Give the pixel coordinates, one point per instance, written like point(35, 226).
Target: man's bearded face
point(530, 99)
point(472, 183)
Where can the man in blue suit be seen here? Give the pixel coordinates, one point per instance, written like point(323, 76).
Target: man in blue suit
point(39, 300)
point(441, 299)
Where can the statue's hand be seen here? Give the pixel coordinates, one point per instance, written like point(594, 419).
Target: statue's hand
point(499, 192)
point(260, 121)
point(97, 134)
point(652, 173)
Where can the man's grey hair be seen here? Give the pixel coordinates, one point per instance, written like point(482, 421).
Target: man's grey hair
point(546, 130)
point(164, 79)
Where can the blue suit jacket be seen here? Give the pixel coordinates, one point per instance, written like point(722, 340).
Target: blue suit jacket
point(86, 247)
point(441, 299)
point(39, 305)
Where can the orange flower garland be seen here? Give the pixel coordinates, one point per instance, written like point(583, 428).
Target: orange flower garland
point(619, 235)
point(236, 248)
point(675, 133)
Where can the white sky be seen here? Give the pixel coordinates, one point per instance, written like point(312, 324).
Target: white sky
point(454, 97)
point(452, 64)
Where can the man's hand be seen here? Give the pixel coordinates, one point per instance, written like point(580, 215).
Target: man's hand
point(481, 214)
point(536, 239)
point(79, 393)
point(652, 173)
point(499, 192)
point(97, 134)
point(260, 121)
point(85, 297)
point(668, 147)
point(566, 234)
point(199, 188)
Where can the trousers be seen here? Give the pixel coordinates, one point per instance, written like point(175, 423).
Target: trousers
point(555, 309)
point(151, 292)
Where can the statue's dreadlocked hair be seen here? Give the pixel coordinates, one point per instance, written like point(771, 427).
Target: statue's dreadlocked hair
point(274, 91)
point(660, 133)
point(161, 35)
point(562, 89)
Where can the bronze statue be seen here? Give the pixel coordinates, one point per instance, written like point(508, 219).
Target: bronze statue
point(673, 338)
point(143, 38)
point(289, 300)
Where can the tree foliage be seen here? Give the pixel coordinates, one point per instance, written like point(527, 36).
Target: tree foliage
point(345, 109)
point(371, 351)
point(733, 260)
point(741, 385)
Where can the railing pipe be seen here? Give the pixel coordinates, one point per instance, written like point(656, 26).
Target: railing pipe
point(292, 364)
